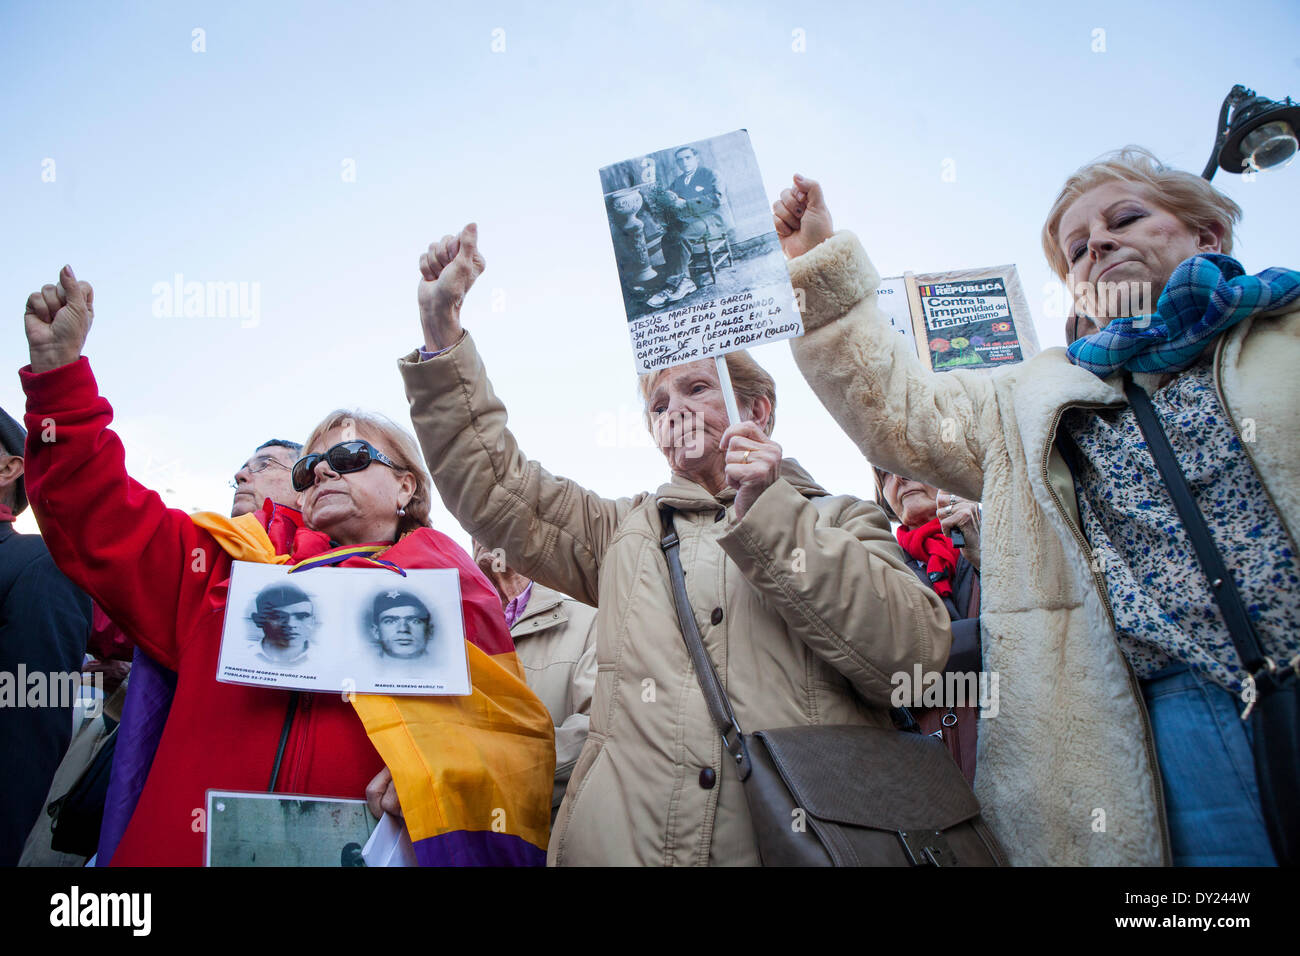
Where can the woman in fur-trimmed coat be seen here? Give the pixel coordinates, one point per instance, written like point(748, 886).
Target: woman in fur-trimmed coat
point(1117, 739)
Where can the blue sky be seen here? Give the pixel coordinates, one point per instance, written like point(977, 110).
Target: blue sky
point(227, 166)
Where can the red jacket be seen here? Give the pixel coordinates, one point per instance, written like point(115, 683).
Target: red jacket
point(163, 580)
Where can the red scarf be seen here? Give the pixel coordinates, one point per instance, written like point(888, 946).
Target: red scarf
point(929, 544)
point(6, 514)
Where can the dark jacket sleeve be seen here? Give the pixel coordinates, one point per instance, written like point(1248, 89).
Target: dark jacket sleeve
point(44, 625)
point(966, 654)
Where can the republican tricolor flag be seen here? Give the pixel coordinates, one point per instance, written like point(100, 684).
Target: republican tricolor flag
point(474, 774)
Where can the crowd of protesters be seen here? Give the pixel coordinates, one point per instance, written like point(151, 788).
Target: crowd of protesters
point(1020, 528)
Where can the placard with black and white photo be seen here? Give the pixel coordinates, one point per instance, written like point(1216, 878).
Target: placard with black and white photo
point(699, 263)
point(276, 829)
point(364, 630)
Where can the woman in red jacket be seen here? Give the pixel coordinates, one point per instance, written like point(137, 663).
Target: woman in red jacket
point(163, 577)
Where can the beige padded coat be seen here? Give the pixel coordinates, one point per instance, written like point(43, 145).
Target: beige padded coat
point(1067, 772)
point(555, 640)
point(806, 607)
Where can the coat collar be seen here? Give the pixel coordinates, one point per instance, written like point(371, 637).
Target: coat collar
point(1037, 407)
point(685, 495)
point(541, 600)
point(1059, 384)
point(544, 611)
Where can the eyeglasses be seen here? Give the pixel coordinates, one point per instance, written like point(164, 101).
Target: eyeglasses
point(257, 466)
point(344, 458)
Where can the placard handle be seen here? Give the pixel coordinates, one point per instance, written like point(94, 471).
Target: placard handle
point(919, 332)
point(728, 394)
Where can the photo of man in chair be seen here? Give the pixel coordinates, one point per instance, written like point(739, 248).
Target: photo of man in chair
point(695, 202)
point(690, 224)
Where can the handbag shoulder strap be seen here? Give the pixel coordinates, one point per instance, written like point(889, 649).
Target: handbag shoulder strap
point(705, 673)
point(1224, 589)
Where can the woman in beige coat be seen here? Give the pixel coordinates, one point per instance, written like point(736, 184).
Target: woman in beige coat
point(804, 601)
point(1094, 607)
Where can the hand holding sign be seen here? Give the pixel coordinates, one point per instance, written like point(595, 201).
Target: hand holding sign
point(58, 319)
point(956, 513)
point(447, 271)
point(753, 462)
point(802, 219)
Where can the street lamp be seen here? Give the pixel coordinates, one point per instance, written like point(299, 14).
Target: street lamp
point(1260, 135)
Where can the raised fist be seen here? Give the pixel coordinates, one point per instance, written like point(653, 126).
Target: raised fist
point(447, 272)
point(58, 320)
point(801, 218)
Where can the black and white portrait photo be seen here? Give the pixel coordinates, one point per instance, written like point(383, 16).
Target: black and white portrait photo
point(400, 626)
point(285, 622)
point(356, 630)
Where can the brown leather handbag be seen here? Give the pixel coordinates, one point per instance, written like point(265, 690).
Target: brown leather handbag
point(840, 795)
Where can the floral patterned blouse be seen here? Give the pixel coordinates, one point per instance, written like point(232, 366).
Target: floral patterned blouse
point(1164, 608)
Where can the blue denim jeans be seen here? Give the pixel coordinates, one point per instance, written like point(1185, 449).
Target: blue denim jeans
point(1203, 747)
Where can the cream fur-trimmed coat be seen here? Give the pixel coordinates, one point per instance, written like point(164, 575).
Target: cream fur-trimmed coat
point(1071, 736)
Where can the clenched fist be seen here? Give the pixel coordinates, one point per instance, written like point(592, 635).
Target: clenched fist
point(58, 320)
point(447, 271)
point(801, 218)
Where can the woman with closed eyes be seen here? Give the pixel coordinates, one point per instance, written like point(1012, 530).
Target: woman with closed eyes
point(1119, 738)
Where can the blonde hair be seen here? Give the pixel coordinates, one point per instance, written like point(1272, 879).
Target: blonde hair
point(1189, 197)
point(749, 380)
point(397, 444)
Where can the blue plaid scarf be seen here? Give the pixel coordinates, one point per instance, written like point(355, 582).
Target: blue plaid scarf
point(1207, 295)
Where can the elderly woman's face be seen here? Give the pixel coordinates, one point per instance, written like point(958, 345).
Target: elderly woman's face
point(1121, 248)
point(361, 505)
point(912, 501)
point(688, 416)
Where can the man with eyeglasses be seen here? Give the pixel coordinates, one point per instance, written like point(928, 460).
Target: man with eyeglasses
point(265, 475)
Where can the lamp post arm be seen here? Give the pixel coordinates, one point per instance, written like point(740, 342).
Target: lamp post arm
point(1220, 134)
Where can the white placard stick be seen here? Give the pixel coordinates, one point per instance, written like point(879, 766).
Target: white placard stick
point(728, 394)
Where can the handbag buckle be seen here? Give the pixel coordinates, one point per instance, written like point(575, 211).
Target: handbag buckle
point(738, 750)
point(927, 848)
point(1251, 691)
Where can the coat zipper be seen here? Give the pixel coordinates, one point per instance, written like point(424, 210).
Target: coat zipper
point(1100, 583)
point(285, 730)
point(303, 729)
point(299, 705)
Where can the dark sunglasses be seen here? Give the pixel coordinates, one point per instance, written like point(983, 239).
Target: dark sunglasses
point(344, 458)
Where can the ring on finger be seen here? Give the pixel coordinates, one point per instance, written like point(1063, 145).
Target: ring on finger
point(745, 458)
